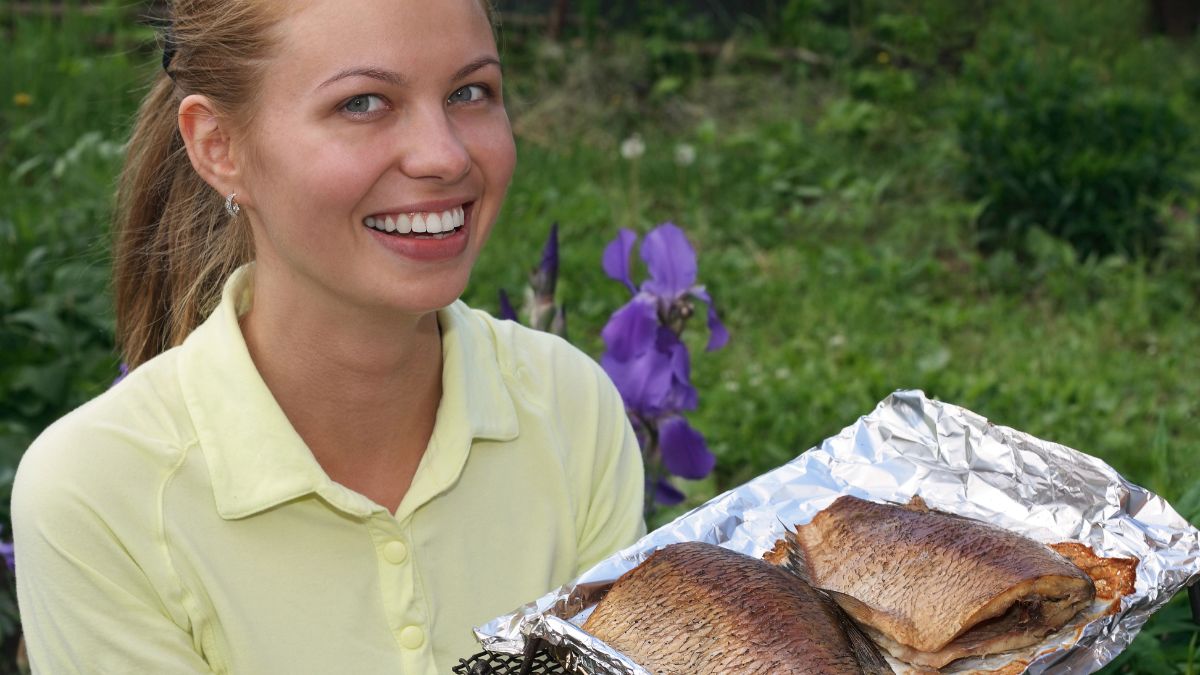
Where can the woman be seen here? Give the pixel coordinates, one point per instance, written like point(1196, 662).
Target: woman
point(340, 468)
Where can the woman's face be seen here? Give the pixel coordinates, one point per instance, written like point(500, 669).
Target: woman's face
point(378, 124)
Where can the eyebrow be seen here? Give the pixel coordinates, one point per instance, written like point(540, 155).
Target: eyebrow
point(389, 76)
point(474, 66)
point(396, 79)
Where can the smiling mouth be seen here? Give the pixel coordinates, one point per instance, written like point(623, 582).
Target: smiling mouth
point(423, 225)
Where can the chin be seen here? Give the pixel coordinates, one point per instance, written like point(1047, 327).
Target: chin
point(424, 298)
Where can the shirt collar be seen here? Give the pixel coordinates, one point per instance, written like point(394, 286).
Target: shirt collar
point(256, 459)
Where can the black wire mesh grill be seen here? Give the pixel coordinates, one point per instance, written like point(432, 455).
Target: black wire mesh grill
point(486, 663)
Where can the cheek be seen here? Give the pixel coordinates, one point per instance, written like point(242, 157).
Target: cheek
point(494, 151)
point(320, 175)
point(339, 179)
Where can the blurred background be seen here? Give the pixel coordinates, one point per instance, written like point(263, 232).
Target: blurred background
point(994, 201)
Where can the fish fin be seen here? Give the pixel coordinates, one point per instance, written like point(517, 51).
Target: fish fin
point(869, 658)
point(916, 503)
point(852, 605)
point(796, 562)
point(865, 651)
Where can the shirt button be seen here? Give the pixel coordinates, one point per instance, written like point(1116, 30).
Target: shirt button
point(412, 637)
point(395, 552)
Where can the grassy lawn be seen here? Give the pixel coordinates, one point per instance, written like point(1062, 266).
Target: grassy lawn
point(828, 204)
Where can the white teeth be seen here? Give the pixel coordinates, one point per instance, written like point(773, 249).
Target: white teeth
point(429, 223)
point(433, 224)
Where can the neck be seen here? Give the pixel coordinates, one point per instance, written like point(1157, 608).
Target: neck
point(361, 388)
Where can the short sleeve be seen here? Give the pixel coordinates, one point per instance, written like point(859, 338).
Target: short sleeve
point(614, 516)
point(85, 539)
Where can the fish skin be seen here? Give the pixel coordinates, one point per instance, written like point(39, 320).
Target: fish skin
point(696, 608)
point(924, 584)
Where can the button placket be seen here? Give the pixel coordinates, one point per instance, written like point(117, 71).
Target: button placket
point(402, 595)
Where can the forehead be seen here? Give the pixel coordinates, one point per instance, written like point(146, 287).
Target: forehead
point(418, 38)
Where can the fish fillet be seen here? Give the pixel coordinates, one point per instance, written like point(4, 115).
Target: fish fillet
point(932, 587)
point(695, 608)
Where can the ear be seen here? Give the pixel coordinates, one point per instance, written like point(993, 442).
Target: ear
point(209, 145)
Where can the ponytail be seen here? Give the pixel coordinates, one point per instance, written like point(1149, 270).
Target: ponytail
point(174, 243)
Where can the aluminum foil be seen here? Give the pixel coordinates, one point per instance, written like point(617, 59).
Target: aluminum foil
point(957, 462)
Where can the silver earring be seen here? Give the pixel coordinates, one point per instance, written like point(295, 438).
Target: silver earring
point(231, 205)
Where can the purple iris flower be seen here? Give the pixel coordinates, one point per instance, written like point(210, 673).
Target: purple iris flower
point(545, 277)
point(671, 262)
point(539, 306)
point(506, 307)
point(648, 361)
point(543, 313)
point(644, 356)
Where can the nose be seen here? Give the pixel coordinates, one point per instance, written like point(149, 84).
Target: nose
point(433, 148)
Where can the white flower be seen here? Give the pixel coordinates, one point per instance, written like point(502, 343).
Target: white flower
point(685, 154)
point(633, 147)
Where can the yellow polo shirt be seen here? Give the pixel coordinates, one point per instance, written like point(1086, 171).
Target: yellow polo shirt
point(178, 524)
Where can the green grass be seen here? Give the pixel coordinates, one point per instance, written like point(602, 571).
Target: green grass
point(827, 210)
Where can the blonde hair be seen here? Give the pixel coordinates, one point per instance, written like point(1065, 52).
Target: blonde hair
point(174, 244)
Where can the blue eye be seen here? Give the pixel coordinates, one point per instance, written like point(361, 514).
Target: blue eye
point(363, 104)
point(469, 94)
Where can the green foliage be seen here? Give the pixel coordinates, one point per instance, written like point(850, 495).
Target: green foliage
point(60, 106)
point(1049, 145)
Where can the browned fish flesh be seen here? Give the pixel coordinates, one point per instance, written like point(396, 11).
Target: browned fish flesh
point(932, 587)
point(695, 608)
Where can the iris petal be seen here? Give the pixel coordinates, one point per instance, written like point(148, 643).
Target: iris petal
point(682, 395)
point(667, 494)
point(718, 335)
point(616, 257)
point(670, 260)
point(506, 307)
point(644, 381)
point(545, 277)
point(549, 262)
point(684, 451)
point(631, 329)
point(653, 376)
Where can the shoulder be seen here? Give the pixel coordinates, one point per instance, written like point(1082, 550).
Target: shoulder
point(122, 441)
point(542, 365)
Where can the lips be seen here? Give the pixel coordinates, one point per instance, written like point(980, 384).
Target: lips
point(428, 232)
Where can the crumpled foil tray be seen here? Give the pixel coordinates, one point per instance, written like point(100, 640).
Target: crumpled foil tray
point(957, 462)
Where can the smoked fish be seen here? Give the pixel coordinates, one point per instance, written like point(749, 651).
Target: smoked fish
point(932, 587)
point(696, 608)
